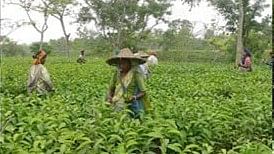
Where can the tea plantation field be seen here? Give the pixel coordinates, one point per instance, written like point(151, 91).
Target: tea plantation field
point(197, 108)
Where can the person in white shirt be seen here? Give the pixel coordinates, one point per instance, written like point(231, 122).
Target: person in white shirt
point(152, 59)
point(144, 69)
point(39, 79)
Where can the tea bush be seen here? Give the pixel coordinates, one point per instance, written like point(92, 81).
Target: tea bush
point(197, 108)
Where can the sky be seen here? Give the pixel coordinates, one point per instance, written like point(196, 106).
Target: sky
point(200, 15)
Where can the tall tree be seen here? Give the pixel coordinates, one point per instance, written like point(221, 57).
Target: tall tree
point(179, 35)
point(59, 9)
point(240, 16)
point(239, 49)
point(124, 22)
point(40, 6)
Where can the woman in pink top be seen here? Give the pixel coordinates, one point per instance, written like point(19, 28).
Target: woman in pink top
point(246, 62)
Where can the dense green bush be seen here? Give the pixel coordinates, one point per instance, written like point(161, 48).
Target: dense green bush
point(197, 108)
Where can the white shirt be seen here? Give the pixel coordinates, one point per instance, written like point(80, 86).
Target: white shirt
point(81, 57)
point(39, 79)
point(152, 60)
point(144, 70)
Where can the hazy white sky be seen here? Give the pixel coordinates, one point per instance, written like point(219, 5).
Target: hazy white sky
point(203, 14)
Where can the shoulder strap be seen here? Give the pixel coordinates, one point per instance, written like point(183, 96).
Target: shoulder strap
point(120, 80)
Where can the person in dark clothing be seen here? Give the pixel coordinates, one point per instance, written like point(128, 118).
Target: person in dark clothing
point(81, 58)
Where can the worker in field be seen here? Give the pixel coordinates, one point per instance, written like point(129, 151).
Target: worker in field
point(144, 69)
point(245, 64)
point(39, 78)
point(271, 60)
point(81, 58)
point(152, 59)
point(127, 88)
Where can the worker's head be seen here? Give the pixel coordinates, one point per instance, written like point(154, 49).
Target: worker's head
point(247, 52)
point(124, 64)
point(40, 57)
point(82, 52)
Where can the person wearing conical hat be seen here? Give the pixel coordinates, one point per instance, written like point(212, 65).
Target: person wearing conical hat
point(144, 69)
point(39, 78)
point(127, 87)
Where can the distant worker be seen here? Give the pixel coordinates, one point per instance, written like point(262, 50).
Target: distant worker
point(127, 87)
point(152, 59)
point(39, 78)
point(81, 58)
point(245, 64)
point(144, 67)
point(271, 60)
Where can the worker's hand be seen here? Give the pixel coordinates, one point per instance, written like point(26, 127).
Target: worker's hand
point(132, 98)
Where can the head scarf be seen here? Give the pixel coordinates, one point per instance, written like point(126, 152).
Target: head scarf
point(248, 52)
point(39, 56)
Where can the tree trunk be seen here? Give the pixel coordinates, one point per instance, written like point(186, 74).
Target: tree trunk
point(68, 47)
point(41, 40)
point(240, 34)
point(121, 21)
point(66, 35)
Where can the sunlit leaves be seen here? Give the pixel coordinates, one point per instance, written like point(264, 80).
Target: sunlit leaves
point(197, 108)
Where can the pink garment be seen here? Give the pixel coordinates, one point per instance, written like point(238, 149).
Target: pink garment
point(248, 62)
point(247, 65)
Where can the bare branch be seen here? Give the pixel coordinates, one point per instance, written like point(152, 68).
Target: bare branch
point(32, 22)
